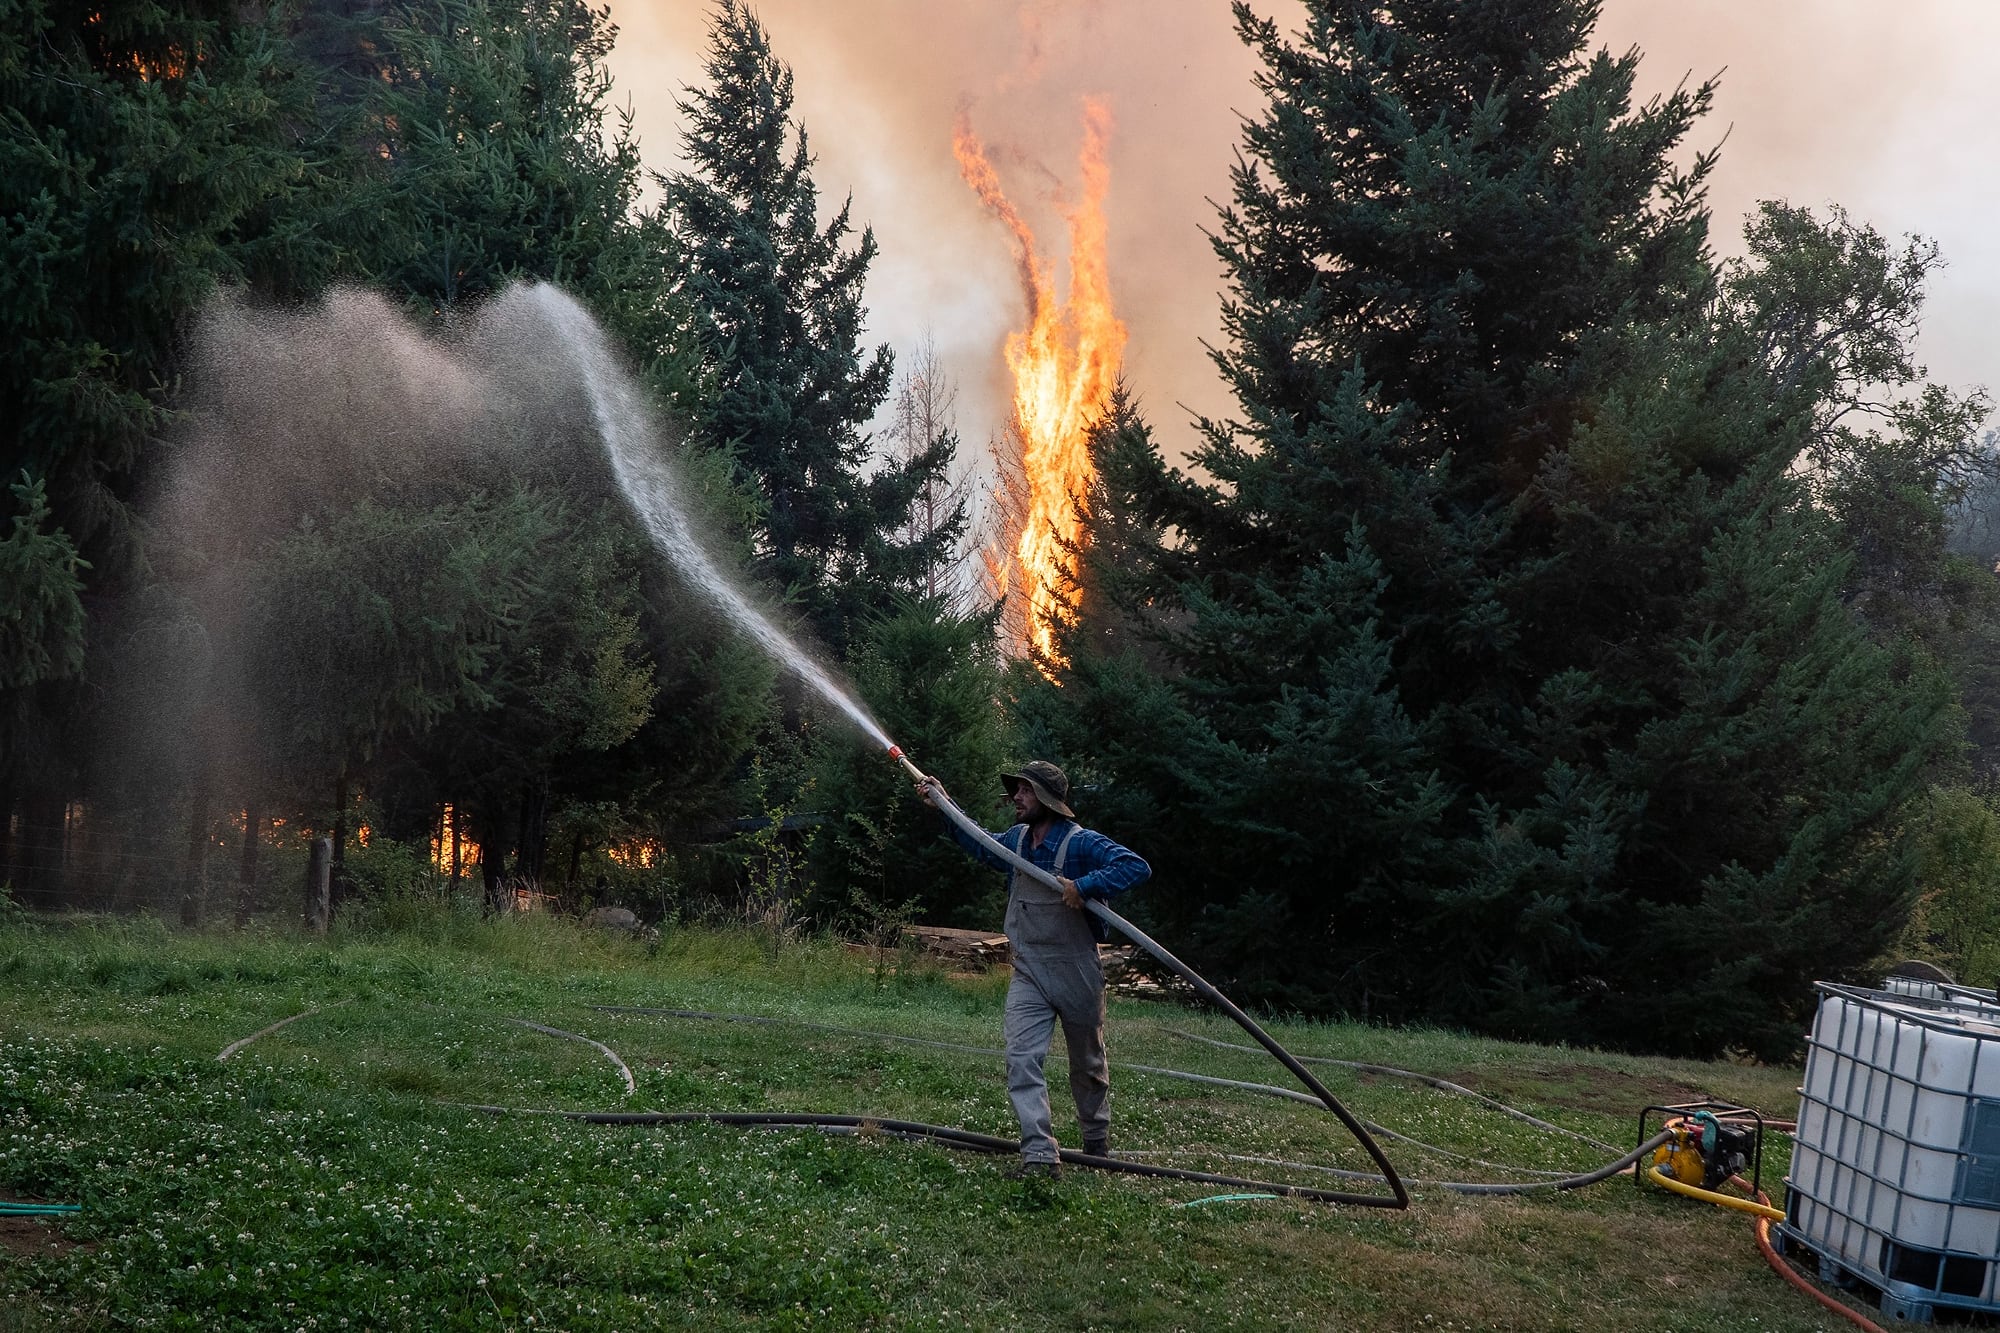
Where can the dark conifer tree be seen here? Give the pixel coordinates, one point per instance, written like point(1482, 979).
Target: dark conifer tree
point(789, 388)
point(146, 149)
point(1463, 651)
point(485, 152)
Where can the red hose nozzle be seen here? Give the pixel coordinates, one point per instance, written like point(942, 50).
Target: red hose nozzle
point(896, 753)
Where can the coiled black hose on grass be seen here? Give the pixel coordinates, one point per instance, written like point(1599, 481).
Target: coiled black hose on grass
point(1555, 1181)
point(1158, 1071)
point(945, 1134)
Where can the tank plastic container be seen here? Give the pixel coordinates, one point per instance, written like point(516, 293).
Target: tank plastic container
point(1948, 992)
point(1896, 1171)
point(1913, 987)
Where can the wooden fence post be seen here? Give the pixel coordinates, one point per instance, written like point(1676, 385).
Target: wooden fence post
point(319, 886)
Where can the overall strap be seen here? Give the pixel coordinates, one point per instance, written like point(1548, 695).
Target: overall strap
point(1019, 847)
point(1062, 848)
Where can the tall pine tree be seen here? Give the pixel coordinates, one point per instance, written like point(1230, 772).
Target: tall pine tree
point(789, 388)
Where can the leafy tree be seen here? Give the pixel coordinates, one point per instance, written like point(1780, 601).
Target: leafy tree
point(491, 152)
point(441, 151)
point(1956, 923)
point(147, 149)
point(1835, 311)
point(484, 152)
point(568, 679)
point(777, 295)
point(423, 589)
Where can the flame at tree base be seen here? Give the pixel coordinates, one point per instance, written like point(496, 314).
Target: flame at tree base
point(1065, 365)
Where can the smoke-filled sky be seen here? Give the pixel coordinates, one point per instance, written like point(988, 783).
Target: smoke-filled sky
point(1889, 111)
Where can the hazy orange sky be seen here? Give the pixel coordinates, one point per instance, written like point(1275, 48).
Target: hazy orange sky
point(1821, 100)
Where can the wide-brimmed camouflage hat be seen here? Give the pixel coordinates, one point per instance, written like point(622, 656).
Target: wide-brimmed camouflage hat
point(1049, 783)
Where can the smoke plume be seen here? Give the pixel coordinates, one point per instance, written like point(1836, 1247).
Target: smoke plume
point(1821, 100)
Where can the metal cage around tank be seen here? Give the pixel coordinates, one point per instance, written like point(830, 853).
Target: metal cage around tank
point(1948, 993)
point(1895, 1176)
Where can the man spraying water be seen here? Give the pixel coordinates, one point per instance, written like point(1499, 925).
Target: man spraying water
point(1057, 977)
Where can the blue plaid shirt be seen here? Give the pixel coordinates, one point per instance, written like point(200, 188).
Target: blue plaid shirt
point(1100, 867)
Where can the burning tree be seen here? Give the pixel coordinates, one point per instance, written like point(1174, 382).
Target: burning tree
point(1065, 364)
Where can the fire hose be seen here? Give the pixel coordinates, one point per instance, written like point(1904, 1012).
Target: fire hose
point(1399, 1197)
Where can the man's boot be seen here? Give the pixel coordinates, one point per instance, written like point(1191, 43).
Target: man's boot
point(1097, 1147)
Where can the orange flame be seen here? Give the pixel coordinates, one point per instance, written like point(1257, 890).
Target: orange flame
point(453, 851)
point(1065, 364)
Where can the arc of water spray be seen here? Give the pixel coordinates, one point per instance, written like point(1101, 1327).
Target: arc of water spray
point(649, 485)
point(623, 424)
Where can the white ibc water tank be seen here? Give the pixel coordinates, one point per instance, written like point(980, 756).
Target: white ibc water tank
point(1896, 1171)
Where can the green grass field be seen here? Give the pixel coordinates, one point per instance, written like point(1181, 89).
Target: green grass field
point(329, 1175)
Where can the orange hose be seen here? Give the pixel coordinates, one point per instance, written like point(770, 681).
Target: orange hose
point(1785, 1271)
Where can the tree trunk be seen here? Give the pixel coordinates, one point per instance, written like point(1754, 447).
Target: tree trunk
point(319, 886)
point(138, 849)
point(246, 865)
point(338, 872)
point(532, 849)
point(194, 864)
point(492, 863)
point(9, 871)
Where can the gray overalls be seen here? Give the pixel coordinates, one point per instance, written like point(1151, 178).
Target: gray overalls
point(1056, 977)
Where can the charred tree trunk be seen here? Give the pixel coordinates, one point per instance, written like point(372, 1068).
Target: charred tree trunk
point(532, 847)
point(194, 863)
point(246, 865)
point(337, 874)
point(319, 886)
point(492, 864)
